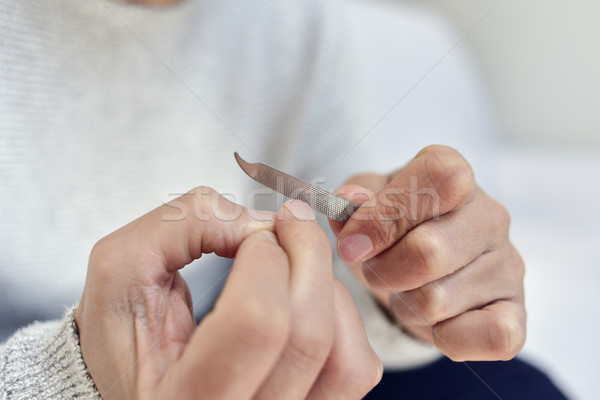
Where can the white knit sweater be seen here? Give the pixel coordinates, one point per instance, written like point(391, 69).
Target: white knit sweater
point(43, 361)
point(108, 109)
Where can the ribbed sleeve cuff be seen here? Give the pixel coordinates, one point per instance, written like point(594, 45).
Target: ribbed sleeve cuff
point(44, 361)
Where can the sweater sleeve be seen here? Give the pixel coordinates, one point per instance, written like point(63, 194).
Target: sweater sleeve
point(44, 361)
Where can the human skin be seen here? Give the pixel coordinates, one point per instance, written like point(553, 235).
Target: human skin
point(456, 280)
point(434, 249)
point(282, 328)
point(449, 274)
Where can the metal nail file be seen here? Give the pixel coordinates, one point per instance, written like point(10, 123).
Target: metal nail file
point(322, 201)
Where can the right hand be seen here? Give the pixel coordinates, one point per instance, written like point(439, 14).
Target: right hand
point(283, 327)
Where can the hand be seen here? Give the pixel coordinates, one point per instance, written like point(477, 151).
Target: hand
point(282, 327)
point(434, 249)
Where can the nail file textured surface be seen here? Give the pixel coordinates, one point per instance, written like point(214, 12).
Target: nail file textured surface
point(322, 201)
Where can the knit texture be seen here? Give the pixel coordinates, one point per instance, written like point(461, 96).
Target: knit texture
point(108, 109)
point(43, 361)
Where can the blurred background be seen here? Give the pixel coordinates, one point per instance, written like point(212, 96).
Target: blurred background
point(542, 60)
point(514, 85)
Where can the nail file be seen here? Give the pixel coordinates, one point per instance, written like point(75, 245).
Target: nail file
point(322, 201)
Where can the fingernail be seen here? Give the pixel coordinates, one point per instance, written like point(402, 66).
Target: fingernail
point(300, 210)
point(355, 247)
point(268, 235)
point(361, 197)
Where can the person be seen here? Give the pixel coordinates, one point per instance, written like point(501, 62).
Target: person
point(107, 104)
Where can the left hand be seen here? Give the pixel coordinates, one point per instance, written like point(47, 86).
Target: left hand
point(434, 249)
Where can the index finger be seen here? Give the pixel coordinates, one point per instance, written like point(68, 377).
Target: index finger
point(238, 343)
point(438, 180)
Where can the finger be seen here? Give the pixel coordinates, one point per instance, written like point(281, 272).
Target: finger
point(364, 195)
point(436, 181)
point(171, 236)
point(356, 193)
point(311, 301)
point(496, 332)
point(352, 368)
point(437, 248)
point(237, 344)
point(495, 275)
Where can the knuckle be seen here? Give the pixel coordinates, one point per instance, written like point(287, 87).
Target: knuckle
point(450, 174)
point(501, 216)
point(101, 248)
point(360, 378)
point(517, 265)
point(309, 346)
point(261, 323)
point(425, 253)
point(432, 303)
point(100, 259)
point(207, 190)
point(208, 204)
point(507, 337)
point(376, 372)
point(202, 197)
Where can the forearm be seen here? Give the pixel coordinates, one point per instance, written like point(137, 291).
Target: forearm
point(44, 361)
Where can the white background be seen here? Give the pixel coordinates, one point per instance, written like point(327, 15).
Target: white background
point(542, 60)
